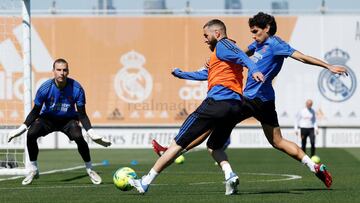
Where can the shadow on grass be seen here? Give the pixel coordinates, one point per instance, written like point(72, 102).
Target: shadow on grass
point(75, 178)
point(290, 191)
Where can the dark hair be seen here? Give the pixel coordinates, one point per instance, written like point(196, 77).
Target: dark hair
point(60, 60)
point(261, 20)
point(216, 22)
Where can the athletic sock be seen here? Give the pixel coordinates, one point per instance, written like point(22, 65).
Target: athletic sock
point(309, 163)
point(150, 177)
point(88, 166)
point(34, 165)
point(227, 170)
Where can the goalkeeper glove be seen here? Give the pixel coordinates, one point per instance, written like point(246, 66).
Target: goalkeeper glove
point(98, 139)
point(17, 132)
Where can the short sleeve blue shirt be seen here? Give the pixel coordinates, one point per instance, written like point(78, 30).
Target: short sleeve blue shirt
point(269, 57)
point(57, 102)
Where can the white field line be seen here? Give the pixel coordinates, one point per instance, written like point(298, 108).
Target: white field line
point(287, 177)
point(52, 171)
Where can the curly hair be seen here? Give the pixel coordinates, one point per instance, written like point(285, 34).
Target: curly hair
point(261, 20)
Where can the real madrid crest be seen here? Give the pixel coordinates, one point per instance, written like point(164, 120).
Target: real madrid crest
point(133, 83)
point(335, 87)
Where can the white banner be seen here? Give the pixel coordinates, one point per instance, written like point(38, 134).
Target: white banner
point(241, 137)
point(342, 138)
point(335, 39)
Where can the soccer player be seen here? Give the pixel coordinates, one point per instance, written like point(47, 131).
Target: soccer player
point(268, 52)
point(306, 120)
point(223, 101)
point(54, 110)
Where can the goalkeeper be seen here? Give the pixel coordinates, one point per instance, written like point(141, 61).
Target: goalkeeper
point(54, 110)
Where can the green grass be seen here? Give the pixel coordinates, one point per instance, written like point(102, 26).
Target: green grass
point(177, 183)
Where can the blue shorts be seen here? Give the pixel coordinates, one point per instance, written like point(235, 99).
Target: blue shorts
point(206, 117)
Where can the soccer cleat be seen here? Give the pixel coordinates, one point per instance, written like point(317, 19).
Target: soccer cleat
point(30, 177)
point(323, 174)
point(94, 177)
point(158, 149)
point(138, 184)
point(231, 184)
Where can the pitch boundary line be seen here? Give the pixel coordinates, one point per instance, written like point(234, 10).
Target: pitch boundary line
point(287, 177)
point(52, 171)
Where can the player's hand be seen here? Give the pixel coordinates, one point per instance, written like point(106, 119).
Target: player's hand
point(297, 132)
point(338, 70)
point(176, 72)
point(98, 139)
point(207, 63)
point(258, 77)
point(17, 132)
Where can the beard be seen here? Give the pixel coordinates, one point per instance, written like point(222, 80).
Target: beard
point(212, 44)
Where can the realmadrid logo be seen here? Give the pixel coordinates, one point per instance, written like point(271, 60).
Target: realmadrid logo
point(133, 83)
point(334, 87)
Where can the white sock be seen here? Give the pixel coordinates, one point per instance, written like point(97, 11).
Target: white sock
point(34, 165)
point(150, 177)
point(308, 162)
point(88, 166)
point(227, 170)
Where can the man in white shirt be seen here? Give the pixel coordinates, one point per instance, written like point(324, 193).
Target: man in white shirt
point(306, 121)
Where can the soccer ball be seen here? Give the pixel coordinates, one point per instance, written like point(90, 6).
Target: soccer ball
point(315, 159)
point(180, 159)
point(121, 178)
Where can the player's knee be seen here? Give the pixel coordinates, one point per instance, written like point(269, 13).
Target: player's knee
point(32, 135)
point(213, 146)
point(77, 137)
point(278, 143)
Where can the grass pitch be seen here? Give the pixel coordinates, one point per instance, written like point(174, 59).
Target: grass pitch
point(266, 175)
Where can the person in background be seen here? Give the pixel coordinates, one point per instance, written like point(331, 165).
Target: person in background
point(306, 122)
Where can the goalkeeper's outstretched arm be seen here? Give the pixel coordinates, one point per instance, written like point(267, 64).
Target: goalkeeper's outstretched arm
point(34, 114)
point(85, 121)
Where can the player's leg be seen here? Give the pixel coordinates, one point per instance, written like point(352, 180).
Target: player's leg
point(303, 139)
point(215, 144)
point(39, 128)
point(272, 132)
point(166, 159)
point(73, 131)
point(312, 141)
point(196, 124)
point(274, 136)
point(159, 149)
point(190, 130)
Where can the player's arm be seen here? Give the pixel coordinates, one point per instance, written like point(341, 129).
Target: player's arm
point(249, 52)
point(83, 117)
point(317, 62)
point(32, 116)
point(250, 49)
point(200, 75)
point(228, 51)
point(85, 121)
